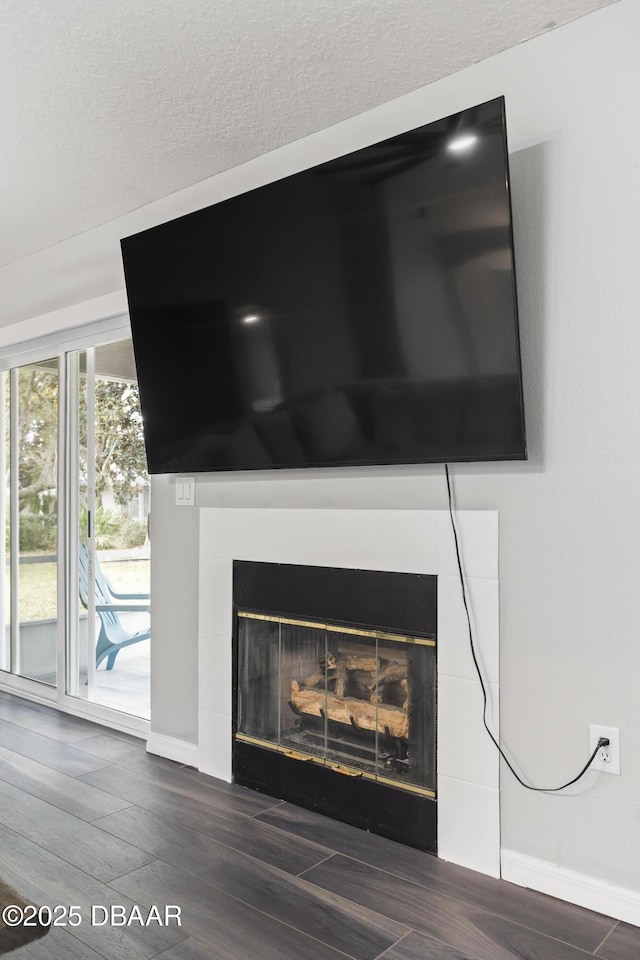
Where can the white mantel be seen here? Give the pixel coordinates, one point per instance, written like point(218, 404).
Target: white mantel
point(408, 541)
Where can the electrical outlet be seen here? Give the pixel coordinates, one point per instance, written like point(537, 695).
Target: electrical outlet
point(607, 759)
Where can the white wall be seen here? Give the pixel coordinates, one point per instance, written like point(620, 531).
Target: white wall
point(569, 518)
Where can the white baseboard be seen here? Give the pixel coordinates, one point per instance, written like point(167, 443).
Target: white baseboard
point(569, 885)
point(179, 750)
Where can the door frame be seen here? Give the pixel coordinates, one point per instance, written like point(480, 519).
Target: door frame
point(60, 345)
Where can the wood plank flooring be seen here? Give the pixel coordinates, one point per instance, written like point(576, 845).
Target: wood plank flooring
point(87, 817)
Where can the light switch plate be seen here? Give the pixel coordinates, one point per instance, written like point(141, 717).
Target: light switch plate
point(185, 491)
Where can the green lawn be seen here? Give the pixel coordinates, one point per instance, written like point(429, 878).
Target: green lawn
point(38, 585)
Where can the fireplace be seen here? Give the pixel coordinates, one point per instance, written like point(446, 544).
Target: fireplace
point(335, 693)
point(408, 540)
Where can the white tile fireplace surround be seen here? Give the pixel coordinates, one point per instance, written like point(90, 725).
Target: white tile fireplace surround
point(407, 541)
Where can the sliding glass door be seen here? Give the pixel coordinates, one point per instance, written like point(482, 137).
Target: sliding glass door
point(29, 422)
point(74, 499)
point(109, 599)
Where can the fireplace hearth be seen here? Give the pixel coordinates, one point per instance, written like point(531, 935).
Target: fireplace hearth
point(335, 693)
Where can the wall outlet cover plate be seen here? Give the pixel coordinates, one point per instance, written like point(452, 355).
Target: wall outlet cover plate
point(607, 760)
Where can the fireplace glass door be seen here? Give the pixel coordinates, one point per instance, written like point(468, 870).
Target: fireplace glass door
point(361, 702)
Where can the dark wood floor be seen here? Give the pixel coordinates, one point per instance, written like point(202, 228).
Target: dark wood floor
point(87, 817)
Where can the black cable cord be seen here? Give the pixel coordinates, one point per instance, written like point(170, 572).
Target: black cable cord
point(602, 742)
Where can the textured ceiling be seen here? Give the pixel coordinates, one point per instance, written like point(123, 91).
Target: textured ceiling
point(107, 106)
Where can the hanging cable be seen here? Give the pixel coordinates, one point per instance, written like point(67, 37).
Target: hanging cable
point(602, 742)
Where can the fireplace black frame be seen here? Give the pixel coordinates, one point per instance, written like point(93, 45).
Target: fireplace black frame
point(401, 602)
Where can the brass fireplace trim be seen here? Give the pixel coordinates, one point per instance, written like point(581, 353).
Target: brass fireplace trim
point(336, 767)
point(333, 628)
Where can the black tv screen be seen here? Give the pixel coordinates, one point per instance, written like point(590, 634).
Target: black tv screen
point(360, 312)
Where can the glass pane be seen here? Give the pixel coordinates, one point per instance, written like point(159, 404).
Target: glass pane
point(112, 665)
point(5, 544)
point(407, 682)
point(259, 679)
point(81, 636)
point(305, 670)
point(35, 421)
point(353, 723)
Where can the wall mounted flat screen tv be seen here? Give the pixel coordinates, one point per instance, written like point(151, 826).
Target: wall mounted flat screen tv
point(360, 312)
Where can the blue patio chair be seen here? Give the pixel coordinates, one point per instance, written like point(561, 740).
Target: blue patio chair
point(113, 634)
